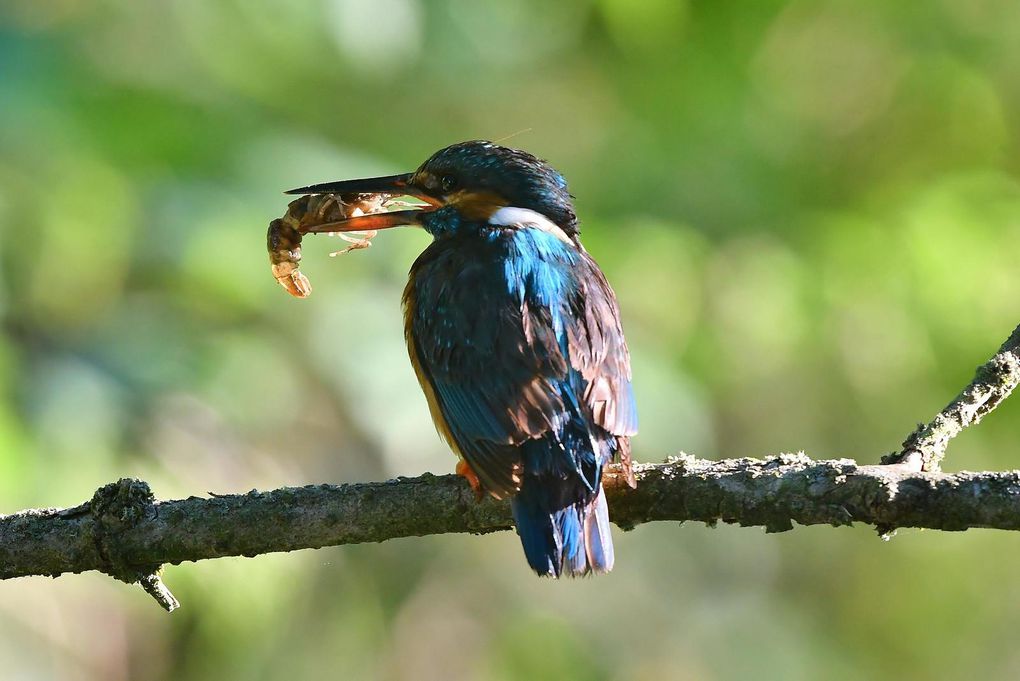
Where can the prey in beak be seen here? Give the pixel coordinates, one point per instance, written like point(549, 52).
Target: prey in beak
point(354, 210)
point(390, 189)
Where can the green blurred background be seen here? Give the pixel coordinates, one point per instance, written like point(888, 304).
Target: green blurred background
point(810, 212)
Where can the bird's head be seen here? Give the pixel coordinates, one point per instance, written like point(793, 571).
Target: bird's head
point(466, 186)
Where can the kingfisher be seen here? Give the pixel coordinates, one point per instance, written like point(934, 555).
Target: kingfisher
point(514, 334)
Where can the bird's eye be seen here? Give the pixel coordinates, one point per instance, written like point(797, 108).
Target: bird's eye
point(447, 182)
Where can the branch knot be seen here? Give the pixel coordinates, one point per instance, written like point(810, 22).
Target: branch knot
point(116, 508)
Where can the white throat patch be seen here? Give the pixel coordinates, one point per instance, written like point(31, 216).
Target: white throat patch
point(509, 216)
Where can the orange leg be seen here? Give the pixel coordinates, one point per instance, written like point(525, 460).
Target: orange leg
point(464, 470)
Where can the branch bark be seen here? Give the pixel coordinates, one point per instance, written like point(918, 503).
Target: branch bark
point(124, 532)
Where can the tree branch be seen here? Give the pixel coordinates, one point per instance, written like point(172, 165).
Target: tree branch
point(773, 493)
point(122, 531)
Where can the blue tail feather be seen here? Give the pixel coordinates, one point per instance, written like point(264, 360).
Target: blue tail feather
point(560, 510)
point(571, 541)
point(535, 528)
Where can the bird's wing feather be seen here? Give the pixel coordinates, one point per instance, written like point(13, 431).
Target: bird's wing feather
point(599, 352)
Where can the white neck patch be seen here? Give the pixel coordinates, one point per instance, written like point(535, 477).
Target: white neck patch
point(510, 216)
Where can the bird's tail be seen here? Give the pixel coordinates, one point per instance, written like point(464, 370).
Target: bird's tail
point(573, 540)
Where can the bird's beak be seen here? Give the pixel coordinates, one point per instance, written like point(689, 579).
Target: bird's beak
point(391, 186)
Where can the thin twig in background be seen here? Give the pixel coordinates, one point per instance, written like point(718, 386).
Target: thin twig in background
point(994, 380)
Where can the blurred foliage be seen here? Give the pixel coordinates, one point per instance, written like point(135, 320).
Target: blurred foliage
point(811, 214)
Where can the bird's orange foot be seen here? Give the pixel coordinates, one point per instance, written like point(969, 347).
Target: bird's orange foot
point(464, 470)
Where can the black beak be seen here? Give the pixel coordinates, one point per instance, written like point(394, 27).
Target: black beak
point(390, 185)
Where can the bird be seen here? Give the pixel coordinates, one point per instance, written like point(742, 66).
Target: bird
point(514, 334)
